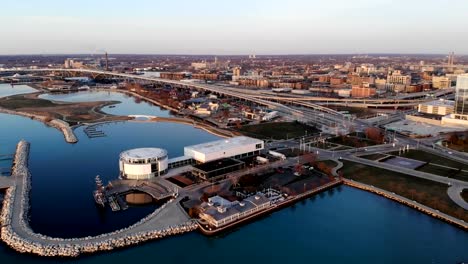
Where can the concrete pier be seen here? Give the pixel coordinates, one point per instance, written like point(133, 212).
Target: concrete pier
point(167, 220)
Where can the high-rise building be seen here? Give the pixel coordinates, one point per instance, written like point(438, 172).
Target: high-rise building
point(451, 58)
point(460, 113)
point(461, 96)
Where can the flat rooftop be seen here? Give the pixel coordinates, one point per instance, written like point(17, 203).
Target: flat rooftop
point(218, 145)
point(143, 153)
point(441, 102)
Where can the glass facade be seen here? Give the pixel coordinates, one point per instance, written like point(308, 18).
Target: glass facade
point(461, 96)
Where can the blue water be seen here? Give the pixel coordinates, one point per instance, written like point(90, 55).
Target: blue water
point(8, 89)
point(128, 106)
point(342, 226)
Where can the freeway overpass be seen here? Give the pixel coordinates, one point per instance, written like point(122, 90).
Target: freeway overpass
point(279, 104)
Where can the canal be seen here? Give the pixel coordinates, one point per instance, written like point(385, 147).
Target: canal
point(344, 225)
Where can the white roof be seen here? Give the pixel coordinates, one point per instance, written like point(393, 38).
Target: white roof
point(440, 102)
point(143, 153)
point(218, 145)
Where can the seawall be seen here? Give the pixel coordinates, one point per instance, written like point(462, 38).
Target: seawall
point(17, 234)
point(63, 126)
point(413, 204)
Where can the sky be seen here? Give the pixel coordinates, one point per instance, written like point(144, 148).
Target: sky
point(233, 27)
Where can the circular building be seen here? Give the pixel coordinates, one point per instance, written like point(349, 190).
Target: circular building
point(143, 163)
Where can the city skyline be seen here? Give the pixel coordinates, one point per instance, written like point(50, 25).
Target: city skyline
point(243, 27)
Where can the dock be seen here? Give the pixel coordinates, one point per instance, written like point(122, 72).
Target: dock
point(168, 220)
point(93, 132)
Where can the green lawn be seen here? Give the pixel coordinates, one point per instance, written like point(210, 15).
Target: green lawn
point(352, 141)
point(426, 192)
point(330, 163)
point(454, 172)
point(465, 195)
point(20, 101)
point(432, 158)
point(278, 130)
point(373, 156)
point(446, 172)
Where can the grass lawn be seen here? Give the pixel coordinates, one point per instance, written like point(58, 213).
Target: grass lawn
point(278, 130)
point(432, 158)
point(426, 192)
point(373, 156)
point(455, 173)
point(465, 195)
point(352, 141)
point(324, 145)
point(15, 102)
point(446, 172)
point(461, 148)
point(330, 163)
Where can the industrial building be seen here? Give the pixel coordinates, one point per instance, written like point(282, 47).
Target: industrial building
point(143, 163)
point(236, 147)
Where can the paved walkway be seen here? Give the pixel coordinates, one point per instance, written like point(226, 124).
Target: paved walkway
point(454, 192)
point(6, 182)
point(171, 215)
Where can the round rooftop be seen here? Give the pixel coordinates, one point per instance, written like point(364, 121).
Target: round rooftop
point(143, 153)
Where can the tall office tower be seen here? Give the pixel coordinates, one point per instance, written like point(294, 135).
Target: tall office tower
point(461, 97)
point(451, 58)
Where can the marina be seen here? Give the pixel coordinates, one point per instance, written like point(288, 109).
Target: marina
point(93, 132)
point(324, 206)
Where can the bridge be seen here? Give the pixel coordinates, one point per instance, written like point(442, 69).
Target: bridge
point(280, 104)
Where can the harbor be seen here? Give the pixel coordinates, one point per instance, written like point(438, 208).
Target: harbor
point(167, 220)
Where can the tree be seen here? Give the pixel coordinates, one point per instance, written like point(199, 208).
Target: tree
point(452, 138)
point(194, 212)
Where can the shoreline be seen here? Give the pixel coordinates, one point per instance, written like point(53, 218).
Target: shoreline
point(61, 125)
point(17, 234)
point(273, 208)
point(189, 121)
point(405, 201)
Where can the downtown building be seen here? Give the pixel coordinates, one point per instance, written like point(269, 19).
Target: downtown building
point(460, 115)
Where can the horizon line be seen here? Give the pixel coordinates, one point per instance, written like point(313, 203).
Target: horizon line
point(214, 54)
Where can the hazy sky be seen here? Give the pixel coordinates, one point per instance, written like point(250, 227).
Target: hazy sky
point(233, 26)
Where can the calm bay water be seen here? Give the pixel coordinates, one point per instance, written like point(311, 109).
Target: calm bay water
point(128, 106)
point(8, 89)
point(341, 226)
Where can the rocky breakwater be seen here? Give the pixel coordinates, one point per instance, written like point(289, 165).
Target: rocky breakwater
point(63, 126)
point(17, 234)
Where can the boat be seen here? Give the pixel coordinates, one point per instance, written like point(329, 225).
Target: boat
point(99, 193)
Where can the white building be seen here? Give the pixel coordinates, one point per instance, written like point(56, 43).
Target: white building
point(143, 163)
point(460, 115)
point(236, 147)
point(440, 107)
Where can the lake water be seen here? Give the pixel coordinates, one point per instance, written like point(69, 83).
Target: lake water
point(128, 106)
point(8, 89)
point(342, 226)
